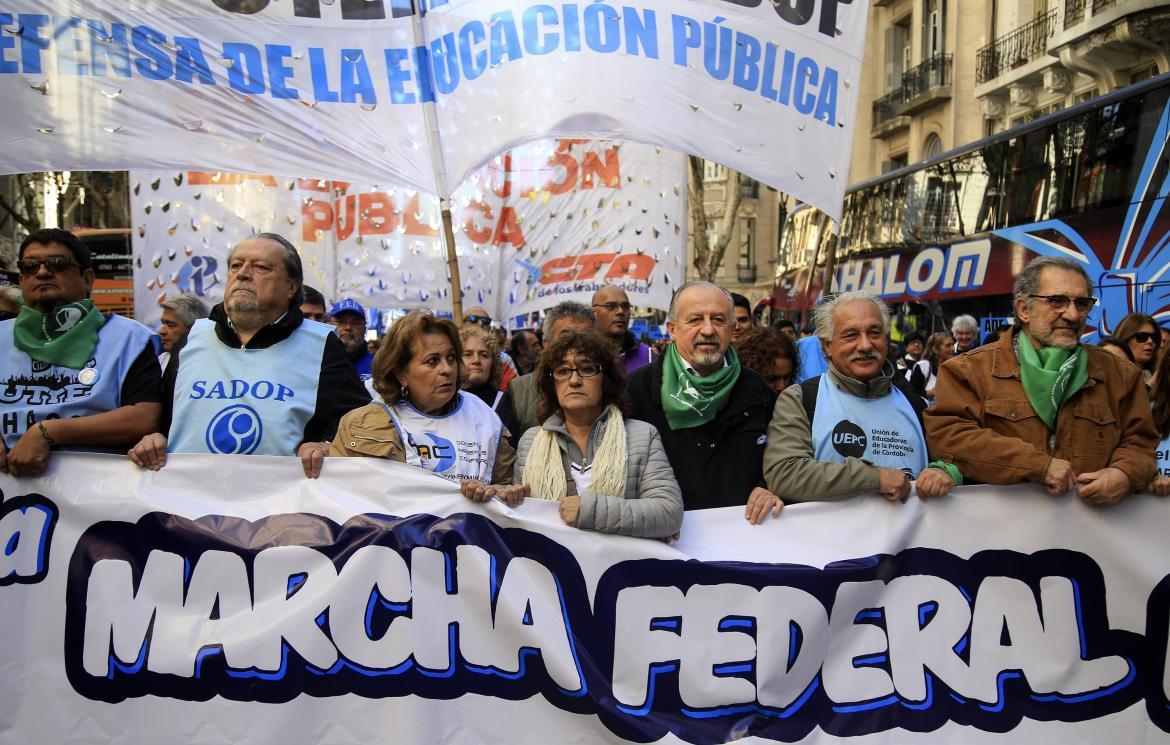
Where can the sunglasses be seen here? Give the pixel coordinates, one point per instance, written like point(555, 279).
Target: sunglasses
point(55, 265)
point(485, 320)
point(1144, 336)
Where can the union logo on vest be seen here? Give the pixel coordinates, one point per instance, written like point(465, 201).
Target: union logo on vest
point(235, 430)
point(848, 439)
point(437, 456)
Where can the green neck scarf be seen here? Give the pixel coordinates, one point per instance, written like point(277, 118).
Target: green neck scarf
point(1050, 376)
point(65, 337)
point(690, 399)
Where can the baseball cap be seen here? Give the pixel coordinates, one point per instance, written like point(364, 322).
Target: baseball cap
point(347, 306)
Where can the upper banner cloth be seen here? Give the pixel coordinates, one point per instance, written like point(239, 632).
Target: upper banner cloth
point(365, 90)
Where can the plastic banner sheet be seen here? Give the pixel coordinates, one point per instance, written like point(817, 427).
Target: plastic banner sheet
point(186, 606)
point(374, 92)
point(546, 222)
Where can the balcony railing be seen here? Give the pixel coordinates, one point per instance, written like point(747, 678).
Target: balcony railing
point(747, 274)
point(932, 73)
point(886, 107)
point(1015, 48)
point(1074, 12)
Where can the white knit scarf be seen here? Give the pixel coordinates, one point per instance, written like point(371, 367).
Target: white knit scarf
point(544, 470)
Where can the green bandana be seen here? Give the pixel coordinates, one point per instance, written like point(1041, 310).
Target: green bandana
point(1050, 376)
point(689, 399)
point(66, 337)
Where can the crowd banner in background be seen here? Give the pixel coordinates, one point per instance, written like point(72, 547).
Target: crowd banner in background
point(143, 607)
point(545, 222)
point(342, 90)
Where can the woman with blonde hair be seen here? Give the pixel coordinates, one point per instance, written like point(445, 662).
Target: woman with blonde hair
point(483, 370)
point(424, 419)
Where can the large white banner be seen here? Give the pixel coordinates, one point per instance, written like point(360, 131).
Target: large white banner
point(377, 604)
point(365, 90)
point(545, 222)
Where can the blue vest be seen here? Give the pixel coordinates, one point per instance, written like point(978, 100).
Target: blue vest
point(883, 431)
point(32, 391)
point(458, 445)
point(363, 366)
point(812, 358)
point(245, 401)
point(1163, 454)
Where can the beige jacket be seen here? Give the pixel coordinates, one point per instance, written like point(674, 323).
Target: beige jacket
point(369, 432)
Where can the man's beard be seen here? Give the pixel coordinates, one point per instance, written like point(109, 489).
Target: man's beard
point(243, 309)
point(706, 356)
point(354, 344)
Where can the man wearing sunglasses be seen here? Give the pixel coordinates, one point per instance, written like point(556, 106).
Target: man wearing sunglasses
point(73, 378)
point(1040, 406)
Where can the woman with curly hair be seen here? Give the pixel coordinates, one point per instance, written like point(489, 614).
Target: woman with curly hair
point(609, 474)
point(769, 352)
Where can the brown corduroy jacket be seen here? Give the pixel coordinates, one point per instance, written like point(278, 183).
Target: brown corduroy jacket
point(982, 422)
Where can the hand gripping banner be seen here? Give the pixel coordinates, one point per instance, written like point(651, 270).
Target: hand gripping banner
point(376, 603)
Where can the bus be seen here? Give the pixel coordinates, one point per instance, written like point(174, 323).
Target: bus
point(948, 235)
point(111, 251)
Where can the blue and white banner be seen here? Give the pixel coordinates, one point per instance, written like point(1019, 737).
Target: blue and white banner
point(376, 603)
point(371, 91)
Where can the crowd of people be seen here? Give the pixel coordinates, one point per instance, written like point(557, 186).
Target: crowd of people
point(623, 435)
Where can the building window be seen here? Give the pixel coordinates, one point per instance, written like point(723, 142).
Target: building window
point(747, 242)
point(1145, 73)
point(1083, 96)
point(897, 54)
point(932, 147)
point(712, 233)
point(713, 171)
point(933, 28)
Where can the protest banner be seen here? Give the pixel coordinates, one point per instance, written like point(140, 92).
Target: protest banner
point(376, 602)
point(367, 91)
point(545, 222)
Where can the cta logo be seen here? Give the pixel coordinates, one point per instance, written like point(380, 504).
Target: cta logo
point(849, 439)
point(236, 430)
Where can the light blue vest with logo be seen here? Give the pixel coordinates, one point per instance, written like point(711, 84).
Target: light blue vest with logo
point(245, 401)
point(1163, 454)
point(460, 445)
point(883, 431)
point(32, 391)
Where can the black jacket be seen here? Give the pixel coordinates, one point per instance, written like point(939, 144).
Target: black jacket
point(719, 463)
point(339, 389)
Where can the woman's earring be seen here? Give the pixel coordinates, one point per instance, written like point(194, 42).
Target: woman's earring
point(405, 391)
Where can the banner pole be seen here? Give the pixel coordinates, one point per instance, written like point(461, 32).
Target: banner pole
point(440, 176)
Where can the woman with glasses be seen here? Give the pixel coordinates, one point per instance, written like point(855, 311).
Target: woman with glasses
point(424, 419)
point(1141, 334)
point(770, 353)
point(609, 474)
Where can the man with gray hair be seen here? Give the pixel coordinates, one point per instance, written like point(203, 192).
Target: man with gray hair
point(179, 314)
point(712, 413)
point(563, 317)
point(256, 378)
point(965, 329)
point(1040, 406)
point(856, 428)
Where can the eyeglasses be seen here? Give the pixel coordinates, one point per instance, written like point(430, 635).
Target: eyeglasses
point(1059, 302)
point(55, 265)
point(561, 374)
point(613, 307)
point(484, 320)
point(1144, 336)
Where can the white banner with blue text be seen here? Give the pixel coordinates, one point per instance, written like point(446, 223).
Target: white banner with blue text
point(229, 599)
point(377, 92)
